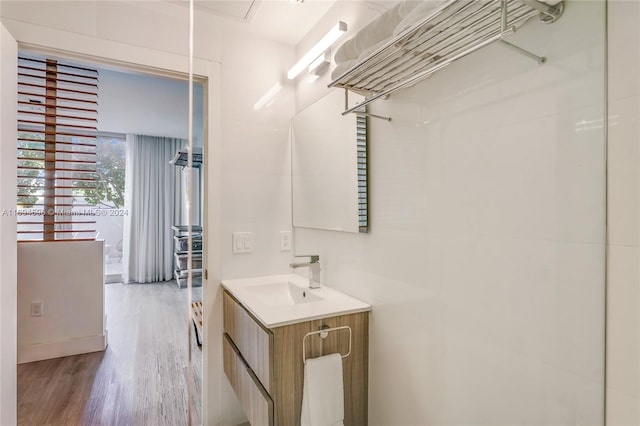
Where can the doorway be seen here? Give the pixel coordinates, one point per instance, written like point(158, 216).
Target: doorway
point(154, 315)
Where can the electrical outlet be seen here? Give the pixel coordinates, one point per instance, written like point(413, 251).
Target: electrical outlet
point(37, 309)
point(285, 240)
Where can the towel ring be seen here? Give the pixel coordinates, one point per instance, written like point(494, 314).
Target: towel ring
point(323, 332)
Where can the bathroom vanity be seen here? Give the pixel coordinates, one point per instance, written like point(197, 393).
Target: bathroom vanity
point(266, 320)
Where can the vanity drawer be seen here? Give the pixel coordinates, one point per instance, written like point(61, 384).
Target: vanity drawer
point(256, 403)
point(253, 341)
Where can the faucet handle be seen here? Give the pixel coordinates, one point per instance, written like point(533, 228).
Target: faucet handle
point(314, 258)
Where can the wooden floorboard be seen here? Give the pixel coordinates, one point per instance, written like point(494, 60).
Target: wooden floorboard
point(141, 379)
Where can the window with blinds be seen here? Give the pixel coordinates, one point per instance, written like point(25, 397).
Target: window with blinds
point(363, 190)
point(56, 155)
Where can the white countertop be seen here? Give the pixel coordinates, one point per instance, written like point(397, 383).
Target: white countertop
point(333, 302)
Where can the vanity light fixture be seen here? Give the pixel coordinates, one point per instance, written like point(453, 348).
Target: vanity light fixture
point(320, 63)
point(317, 50)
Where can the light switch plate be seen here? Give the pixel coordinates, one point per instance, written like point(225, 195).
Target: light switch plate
point(248, 242)
point(36, 308)
point(238, 242)
point(242, 242)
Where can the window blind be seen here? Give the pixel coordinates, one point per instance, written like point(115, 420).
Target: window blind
point(56, 152)
point(363, 190)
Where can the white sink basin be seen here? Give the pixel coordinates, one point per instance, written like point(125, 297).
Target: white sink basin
point(282, 294)
point(279, 300)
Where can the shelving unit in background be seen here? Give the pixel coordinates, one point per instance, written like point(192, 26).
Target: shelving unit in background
point(181, 251)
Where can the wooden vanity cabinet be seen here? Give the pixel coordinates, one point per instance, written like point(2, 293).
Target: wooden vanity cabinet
point(265, 367)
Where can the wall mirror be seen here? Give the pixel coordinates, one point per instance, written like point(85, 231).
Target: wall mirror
point(329, 166)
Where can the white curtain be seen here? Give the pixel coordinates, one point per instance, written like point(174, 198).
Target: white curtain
point(153, 198)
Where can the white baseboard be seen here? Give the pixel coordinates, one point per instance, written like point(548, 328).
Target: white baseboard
point(42, 351)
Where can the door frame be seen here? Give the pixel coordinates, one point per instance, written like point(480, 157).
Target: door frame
point(109, 53)
point(8, 246)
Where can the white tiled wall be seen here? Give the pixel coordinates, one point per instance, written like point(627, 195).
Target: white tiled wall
point(256, 183)
point(256, 190)
point(623, 302)
point(485, 259)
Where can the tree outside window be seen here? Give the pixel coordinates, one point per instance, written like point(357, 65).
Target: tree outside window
point(110, 169)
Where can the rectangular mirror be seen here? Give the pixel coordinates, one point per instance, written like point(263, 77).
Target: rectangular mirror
point(329, 166)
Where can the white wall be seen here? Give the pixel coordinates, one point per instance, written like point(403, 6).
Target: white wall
point(68, 280)
point(256, 183)
point(251, 145)
point(623, 301)
point(485, 259)
point(147, 105)
point(256, 167)
point(8, 117)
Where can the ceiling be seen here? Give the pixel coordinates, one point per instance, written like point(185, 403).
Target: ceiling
point(278, 20)
point(284, 21)
point(241, 10)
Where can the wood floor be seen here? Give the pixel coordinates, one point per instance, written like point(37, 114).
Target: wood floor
point(141, 379)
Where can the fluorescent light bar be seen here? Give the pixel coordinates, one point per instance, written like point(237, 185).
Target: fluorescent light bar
point(320, 61)
point(268, 96)
point(317, 50)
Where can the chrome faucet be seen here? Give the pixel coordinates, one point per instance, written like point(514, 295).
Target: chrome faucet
point(314, 268)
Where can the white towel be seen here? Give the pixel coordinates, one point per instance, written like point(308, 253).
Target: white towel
point(416, 14)
point(372, 33)
point(407, 6)
point(413, 14)
point(343, 67)
point(323, 392)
